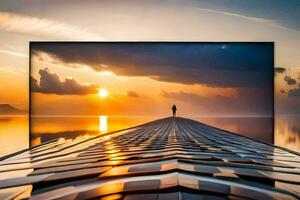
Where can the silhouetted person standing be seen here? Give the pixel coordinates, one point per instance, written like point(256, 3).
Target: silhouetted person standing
point(174, 110)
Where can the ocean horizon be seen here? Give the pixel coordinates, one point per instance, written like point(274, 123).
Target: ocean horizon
point(45, 128)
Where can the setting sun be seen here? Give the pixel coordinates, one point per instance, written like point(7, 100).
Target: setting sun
point(102, 93)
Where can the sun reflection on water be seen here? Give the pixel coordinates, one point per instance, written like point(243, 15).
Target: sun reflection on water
point(103, 123)
point(49, 128)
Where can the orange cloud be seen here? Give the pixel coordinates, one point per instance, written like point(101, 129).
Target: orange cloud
point(43, 27)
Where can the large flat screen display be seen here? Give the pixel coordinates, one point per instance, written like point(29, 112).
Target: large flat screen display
point(83, 89)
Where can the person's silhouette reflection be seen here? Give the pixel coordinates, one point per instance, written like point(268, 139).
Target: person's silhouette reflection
point(174, 110)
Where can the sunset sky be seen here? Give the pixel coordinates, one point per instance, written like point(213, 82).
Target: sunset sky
point(91, 20)
point(203, 79)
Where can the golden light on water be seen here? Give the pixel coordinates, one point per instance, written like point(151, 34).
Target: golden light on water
point(102, 123)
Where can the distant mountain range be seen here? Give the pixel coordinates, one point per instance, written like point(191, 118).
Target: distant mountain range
point(7, 109)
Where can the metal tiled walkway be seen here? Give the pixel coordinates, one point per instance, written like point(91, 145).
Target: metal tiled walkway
point(170, 158)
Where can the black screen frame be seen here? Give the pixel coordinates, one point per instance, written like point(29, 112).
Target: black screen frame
point(31, 43)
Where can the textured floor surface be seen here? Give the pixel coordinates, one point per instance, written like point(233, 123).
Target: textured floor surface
point(171, 158)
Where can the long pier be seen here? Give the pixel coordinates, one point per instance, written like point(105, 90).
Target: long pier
point(171, 158)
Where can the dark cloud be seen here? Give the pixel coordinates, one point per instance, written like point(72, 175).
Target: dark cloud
point(213, 64)
point(133, 94)
point(290, 105)
point(51, 84)
point(279, 70)
point(289, 80)
point(294, 92)
point(34, 84)
point(250, 101)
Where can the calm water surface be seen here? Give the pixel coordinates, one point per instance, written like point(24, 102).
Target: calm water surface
point(48, 128)
point(287, 132)
point(14, 130)
point(13, 134)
